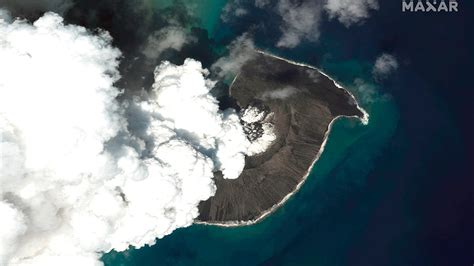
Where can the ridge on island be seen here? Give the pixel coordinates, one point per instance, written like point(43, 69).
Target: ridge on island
point(301, 103)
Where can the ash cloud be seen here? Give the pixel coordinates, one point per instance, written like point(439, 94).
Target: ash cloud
point(82, 172)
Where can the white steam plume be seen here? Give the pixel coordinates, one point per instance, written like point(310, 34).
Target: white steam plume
point(350, 12)
point(280, 94)
point(301, 21)
point(259, 127)
point(241, 50)
point(81, 173)
point(384, 65)
point(171, 37)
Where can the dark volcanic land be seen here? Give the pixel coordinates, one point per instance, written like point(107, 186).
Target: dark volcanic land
point(301, 120)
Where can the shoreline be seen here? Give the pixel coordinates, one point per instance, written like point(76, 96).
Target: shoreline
point(364, 120)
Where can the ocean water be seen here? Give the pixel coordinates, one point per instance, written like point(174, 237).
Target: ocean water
point(207, 11)
point(395, 192)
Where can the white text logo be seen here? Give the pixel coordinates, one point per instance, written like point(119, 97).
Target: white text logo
point(429, 6)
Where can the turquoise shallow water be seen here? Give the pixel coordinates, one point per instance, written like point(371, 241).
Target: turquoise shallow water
point(206, 11)
point(341, 170)
point(349, 155)
point(378, 194)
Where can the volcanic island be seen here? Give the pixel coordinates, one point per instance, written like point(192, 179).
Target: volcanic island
point(300, 103)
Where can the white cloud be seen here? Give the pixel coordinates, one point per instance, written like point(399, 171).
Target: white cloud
point(384, 65)
point(281, 93)
point(241, 50)
point(302, 18)
point(349, 12)
point(300, 22)
point(13, 227)
point(171, 37)
point(367, 93)
point(82, 173)
point(233, 8)
point(182, 101)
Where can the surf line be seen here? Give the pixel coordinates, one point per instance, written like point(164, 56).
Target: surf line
point(364, 120)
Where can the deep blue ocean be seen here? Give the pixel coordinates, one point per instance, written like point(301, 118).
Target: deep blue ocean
point(396, 192)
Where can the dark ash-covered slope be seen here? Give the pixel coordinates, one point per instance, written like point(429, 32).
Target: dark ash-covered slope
point(304, 102)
